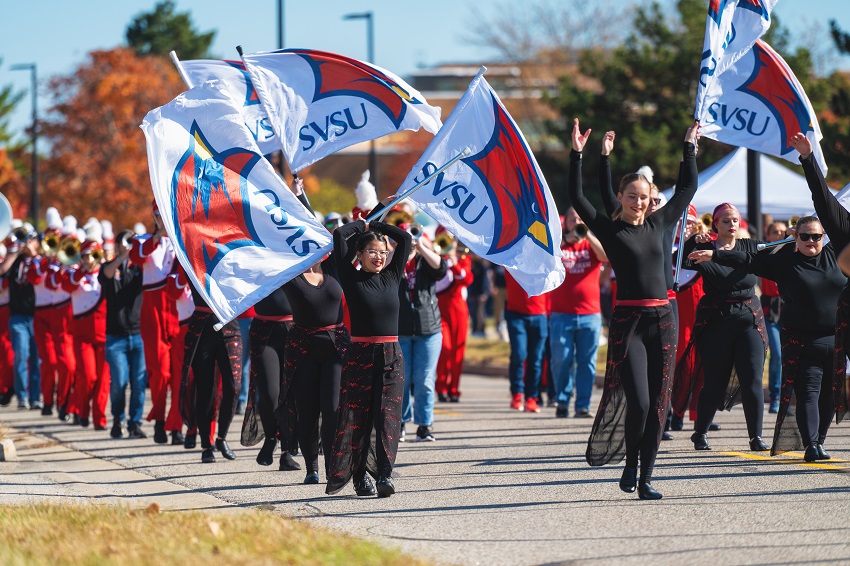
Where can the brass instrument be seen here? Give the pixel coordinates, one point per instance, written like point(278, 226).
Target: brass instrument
point(69, 250)
point(793, 221)
point(443, 243)
point(398, 217)
point(96, 255)
point(50, 244)
point(580, 231)
point(415, 230)
point(125, 237)
point(20, 235)
point(706, 220)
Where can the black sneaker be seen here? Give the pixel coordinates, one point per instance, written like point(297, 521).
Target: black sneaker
point(288, 463)
point(159, 434)
point(190, 441)
point(423, 434)
point(6, 398)
point(677, 423)
point(364, 487)
point(562, 412)
point(63, 415)
point(47, 411)
point(583, 414)
point(266, 454)
point(402, 436)
point(134, 430)
point(222, 446)
point(385, 487)
point(442, 398)
point(177, 438)
point(208, 456)
point(84, 422)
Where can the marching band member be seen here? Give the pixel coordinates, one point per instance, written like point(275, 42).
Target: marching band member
point(88, 328)
point(641, 338)
point(50, 320)
point(7, 356)
point(22, 310)
point(121, 280)
point(454, 314)
point(729, 333)
point(160, 330)
point(178, 290)
point(373, 370)
point(836, 220)
point(810, 284)
point(205, 393)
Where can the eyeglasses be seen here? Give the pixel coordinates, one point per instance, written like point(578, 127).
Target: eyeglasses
point(377, 253)
point(656, 201)
point(805, 236)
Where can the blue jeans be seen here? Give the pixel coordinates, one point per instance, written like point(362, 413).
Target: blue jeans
point(421, 354)
point(774, 370)
point(245, 330)
point(527, 334)
point(574, 339)
point(27, 364)
point(126, 358)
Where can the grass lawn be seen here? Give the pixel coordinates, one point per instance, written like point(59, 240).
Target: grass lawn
point(90, 534)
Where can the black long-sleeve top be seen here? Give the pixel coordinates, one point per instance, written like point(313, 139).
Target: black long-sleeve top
point(637, 252)
point(809, 286)
point(372, 297)
point(721, 281)
point(609, 199)
point(315, 306)
point(833, 217)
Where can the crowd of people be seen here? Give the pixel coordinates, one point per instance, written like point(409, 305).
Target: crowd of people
point(366, 341)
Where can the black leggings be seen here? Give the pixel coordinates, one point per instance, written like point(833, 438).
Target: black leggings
point(212, 349)
point(267, 361)
point(813, 388)
point(316, 386)
point(726, 343)
point(641, 377)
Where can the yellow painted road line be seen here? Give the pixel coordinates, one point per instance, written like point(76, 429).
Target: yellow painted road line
point(444, 412)
point(831, 466)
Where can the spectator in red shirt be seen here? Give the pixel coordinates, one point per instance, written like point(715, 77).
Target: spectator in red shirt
point(528, 330)
point(575, 322)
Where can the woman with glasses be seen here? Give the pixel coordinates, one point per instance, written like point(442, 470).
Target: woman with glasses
point(836, 221)
point(729, 334)
point(373, 368)
point(642, 337)
point(810, 284)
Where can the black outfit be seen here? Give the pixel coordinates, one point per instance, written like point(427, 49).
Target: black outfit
point(21, 291)
point(419, 312)
point(201, 399)
point(123, 296)
point(313, 363)
point(810, 288)
point(642, 352)
point(836, 222)
point(373, 372)
point(729, 334)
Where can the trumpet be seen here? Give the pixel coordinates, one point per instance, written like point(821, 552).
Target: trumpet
point(793, 221)
point(706, 220)
point(69, 250)
point(443, 243)
point(19, 236)
point(397, 217)
point(50, 244)
point(580, 231)
point(415, 230)
point(96, 255)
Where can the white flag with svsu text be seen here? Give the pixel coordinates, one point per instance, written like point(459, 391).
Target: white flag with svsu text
point(319, 103)
point(233, 73)
point(759, 104)
point(495, 199)
point(731, 29)
point(237, 230)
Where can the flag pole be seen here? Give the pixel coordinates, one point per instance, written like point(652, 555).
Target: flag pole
point(419, 185)
point(180, 69)
point(680, 251)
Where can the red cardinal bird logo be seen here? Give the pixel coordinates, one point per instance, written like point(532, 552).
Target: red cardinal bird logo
point(337, 75)
point(772, 84)
point(210, 203)
point(716, 7)
point(251, 97)
point(506, 168)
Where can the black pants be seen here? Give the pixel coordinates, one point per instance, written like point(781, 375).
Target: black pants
point(226, 352)
point(726, 343)
point(642, 375)
point(317, 393)
point(813, 388)
point(267, 361)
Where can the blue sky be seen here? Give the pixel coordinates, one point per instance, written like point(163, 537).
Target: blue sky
point(57, 34)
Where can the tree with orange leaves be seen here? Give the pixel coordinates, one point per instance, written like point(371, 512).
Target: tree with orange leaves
point(97, 164)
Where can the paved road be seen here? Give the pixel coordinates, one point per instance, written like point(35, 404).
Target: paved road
point(497, 487)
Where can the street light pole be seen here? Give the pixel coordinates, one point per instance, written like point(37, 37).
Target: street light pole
point(370, 54)
point(34, 177)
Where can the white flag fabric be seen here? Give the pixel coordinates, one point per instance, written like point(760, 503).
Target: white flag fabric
point(495, 200)
point(237, 229)
point(731, 29)
point(233, 73)
point(320, 103)
point(759, 104)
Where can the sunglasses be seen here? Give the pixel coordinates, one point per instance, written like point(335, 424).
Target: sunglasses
point(804, 237)
point(657, 201)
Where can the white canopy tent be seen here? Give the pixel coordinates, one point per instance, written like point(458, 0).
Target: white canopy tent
point(784, 193)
